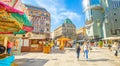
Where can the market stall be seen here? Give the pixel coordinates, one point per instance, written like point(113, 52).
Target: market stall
point(33, 44)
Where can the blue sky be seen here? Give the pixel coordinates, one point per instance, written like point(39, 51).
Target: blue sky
point(62, 9)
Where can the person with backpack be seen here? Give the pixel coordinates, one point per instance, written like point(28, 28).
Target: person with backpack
point(86, 50)
point(78, 50)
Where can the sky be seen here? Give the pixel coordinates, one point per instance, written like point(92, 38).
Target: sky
point(62, 9)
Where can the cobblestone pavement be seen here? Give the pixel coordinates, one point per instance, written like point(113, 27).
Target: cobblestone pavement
point(97, 57)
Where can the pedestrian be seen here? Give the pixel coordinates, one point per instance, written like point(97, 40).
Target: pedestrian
point(86, 50)
point(78, 50)
point(115, 48)
point(9, 47)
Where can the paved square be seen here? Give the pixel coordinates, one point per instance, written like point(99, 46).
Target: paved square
point(97, 57)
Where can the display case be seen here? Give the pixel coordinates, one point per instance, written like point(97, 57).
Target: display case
point(36, 45)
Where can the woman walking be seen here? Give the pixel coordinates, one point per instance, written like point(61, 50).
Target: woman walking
point(86, 50)
point(78, 51)
point(115, 48)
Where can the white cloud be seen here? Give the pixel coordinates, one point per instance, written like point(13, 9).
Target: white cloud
point(73, 16)
point(85, 3)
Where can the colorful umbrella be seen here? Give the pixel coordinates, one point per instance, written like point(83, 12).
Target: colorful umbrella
point(13, 21)
point(9, 9)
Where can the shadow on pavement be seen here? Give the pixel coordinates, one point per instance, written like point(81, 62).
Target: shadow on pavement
point(57, 51)
point(97, 60)
point(31, 62)
point(23, 53)
point(70, 49)
point(96, 51)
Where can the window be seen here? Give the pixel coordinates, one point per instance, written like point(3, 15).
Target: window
point(115, 19)
point(47, 29)
point(114, 13)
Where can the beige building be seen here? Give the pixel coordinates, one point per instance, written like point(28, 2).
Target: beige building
point(67, 29)
point(58, 32)
point(81, 33)
point(40, 19)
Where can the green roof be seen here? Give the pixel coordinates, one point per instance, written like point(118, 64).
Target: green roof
point(68, 21)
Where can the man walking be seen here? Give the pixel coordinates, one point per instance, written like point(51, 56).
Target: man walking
point(86, 50)
point(78, 51)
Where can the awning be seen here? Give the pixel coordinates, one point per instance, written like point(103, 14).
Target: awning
point(112, 38)
point(80, 40)
point(22, 19)
point(9, 9)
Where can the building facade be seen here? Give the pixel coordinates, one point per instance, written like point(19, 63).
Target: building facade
point(111, 23)
point(94, 18)
point(81, 33)
point(58, 32)
point(67, 29)
point(40, 19)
